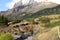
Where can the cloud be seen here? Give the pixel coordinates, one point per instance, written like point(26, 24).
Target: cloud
point(11, 4)
point(25, 1)
point(39, 0)
point(55, 1)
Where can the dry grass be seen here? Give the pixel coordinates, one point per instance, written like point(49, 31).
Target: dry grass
point(50, 35)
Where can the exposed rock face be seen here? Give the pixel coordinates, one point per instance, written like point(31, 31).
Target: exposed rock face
point(17, 4)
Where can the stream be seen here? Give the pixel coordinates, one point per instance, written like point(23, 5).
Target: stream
point(23, 36)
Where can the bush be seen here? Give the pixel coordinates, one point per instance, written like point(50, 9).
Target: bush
point(45, 20)
point(30, 19)
point(53, 24)
point(6, 36)
point(35, 22)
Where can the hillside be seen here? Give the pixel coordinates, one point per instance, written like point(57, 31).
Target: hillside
point(47, 11)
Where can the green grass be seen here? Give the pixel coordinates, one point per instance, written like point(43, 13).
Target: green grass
point(53, 24)
point(2, 24)
point(5, 36)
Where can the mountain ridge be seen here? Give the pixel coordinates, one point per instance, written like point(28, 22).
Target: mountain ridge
point(22, 10)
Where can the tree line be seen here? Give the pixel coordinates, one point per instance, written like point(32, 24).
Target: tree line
point(3, 20)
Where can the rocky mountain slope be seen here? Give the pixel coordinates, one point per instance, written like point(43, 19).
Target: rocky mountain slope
point(19, 10)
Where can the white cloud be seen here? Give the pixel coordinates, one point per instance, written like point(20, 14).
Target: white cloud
point(25, 1)
point(39, 0)
point(55, 1)
point(11, 4)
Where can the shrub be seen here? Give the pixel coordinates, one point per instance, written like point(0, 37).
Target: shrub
point(53, 24)
point(35, 22)
point(45, 20)
point(6, 36)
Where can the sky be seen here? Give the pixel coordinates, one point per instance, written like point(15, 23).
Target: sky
point(8, 4)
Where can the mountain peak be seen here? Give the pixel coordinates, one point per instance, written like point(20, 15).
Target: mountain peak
point(18, 4)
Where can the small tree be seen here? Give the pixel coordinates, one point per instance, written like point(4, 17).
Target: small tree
point(45, 20)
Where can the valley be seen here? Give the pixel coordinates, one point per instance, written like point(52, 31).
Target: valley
point(33, 21)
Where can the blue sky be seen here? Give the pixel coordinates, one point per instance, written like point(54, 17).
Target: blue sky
point(8, 4)
point(3, 4)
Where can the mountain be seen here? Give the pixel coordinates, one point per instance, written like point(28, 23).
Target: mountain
point(47, 11)
point(20, 11)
